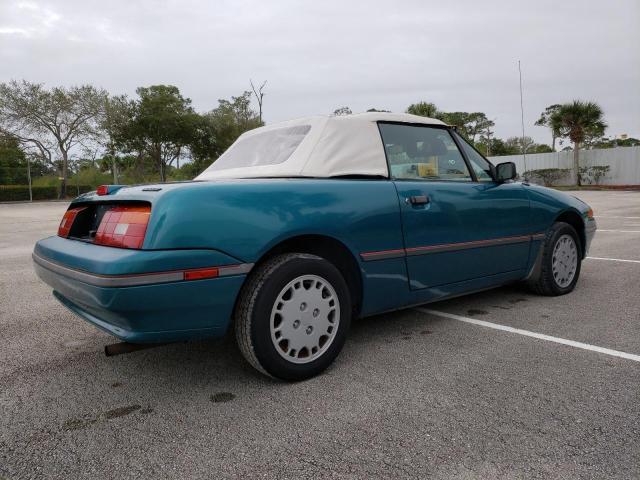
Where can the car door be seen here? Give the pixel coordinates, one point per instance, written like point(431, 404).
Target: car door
point(458, 223)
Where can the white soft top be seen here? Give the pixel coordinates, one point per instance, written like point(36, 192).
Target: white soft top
point(318, 146)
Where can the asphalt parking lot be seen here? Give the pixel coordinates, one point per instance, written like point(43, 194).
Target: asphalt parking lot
point(413, 394)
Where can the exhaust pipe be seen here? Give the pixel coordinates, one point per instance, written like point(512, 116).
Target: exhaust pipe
point(125, 347)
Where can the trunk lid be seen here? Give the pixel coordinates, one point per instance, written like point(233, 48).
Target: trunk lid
point(92, 207)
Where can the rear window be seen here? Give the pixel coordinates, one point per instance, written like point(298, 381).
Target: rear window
point(268, 148)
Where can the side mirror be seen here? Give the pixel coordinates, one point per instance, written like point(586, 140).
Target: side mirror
point(505, 171)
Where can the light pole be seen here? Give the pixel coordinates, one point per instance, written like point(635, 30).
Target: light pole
point(29, 178)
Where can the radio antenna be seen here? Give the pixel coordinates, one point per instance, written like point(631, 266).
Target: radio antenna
point(524, 148)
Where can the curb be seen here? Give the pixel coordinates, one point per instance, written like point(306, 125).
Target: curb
point(35, 201)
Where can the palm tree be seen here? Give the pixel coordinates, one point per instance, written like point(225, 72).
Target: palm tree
point(578, 121)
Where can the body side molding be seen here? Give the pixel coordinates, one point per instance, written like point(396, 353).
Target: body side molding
point(447, 247)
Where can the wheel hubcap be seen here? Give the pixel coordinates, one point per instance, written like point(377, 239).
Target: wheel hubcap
point(305, 319)
point(565, 261)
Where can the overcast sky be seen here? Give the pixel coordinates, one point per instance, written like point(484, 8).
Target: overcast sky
point(320, 55)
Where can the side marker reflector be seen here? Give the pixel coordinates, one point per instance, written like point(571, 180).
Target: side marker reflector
point(201, 273)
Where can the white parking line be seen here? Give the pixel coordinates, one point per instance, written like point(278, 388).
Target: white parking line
point(615, 216)
point(613, 259)
point(527, 333)
point(619, 231)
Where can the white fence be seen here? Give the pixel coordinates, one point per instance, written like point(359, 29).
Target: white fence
point(624, 163)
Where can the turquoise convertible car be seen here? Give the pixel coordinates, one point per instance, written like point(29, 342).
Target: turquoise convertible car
point(302, 226)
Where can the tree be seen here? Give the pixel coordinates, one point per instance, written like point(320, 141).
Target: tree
point(547, 119)
point(50, 122)
point(115, 164)
point(579, 121)
point(606, 142)
point(493, 147)
point(486, 141)
point(626, 142)
point(342, 111)
point(470, 125)
point(540, 148)
point(230, 119)
point(116, 116)
point(259, 96)
point(205, 146)
point(376, 110)
point(13, 162)
point(512, 146)
point(519, 144)
point(424, 109)
point(159, 125)
point(215, 131)
point(475, 124)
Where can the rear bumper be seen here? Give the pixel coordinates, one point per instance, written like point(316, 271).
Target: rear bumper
point(154, 305)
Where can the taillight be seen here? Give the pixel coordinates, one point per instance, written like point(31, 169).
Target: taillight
point(123, 226)
point(108, 189)
point(67, 221)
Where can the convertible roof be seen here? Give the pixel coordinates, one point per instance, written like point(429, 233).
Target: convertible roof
point(334, 146)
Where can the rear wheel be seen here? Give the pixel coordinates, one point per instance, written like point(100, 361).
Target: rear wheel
point(561, 261)
point(292, 316)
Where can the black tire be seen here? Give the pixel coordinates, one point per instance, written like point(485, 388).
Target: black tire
point(544, 283)
point(253, 314)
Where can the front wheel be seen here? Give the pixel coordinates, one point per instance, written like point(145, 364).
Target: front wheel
point(292, 316)
point(561, 261)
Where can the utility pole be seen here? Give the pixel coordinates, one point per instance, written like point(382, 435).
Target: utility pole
point(114, 164)
point(29, 177)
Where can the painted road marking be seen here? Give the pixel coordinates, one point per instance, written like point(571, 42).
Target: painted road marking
point(613, 259)
point(527, 333)
point(619, 231)
point(615, 216)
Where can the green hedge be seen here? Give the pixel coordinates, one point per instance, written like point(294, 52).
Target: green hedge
point(13, 193)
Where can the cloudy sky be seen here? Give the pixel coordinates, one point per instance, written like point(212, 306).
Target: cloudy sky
point(320, 55)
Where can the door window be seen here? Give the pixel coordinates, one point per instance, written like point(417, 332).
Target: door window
point(480, 165)
point(417, 152)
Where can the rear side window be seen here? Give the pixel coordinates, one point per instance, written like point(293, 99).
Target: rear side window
point(417, 152)
point(267, 148)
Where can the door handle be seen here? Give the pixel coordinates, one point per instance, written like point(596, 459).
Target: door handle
point(417, 200)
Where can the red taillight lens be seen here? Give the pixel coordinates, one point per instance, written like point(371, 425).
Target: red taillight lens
point(67, 221)
point(123, 226)
point(103, 190)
